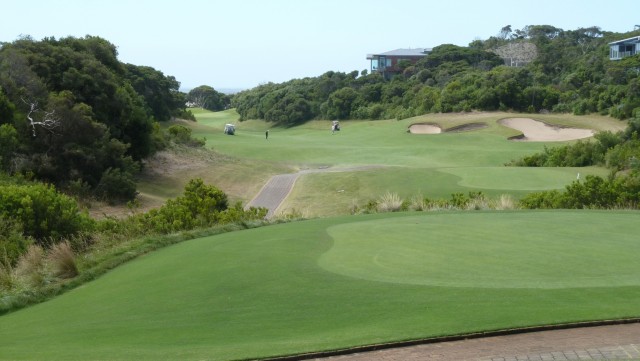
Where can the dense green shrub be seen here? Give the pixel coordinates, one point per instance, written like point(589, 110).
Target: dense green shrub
point(583, 153)
point(42, 212)
point(12, 242)
point(542, 200)
point(593, 192)
point(200, 206)
point(116, 186)
point(8, 145)
point(624, 156)
point(180, 134)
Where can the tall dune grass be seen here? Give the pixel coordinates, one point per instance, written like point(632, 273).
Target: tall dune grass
point(62, 260)
point(30, 268)
point(390, 202)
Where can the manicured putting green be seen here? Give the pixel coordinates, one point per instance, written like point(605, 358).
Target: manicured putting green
point(494, 250)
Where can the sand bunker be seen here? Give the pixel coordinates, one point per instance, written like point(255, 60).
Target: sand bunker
point(537, 131)
point(425, 128)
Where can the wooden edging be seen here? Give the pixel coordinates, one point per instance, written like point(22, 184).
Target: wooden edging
point(424, 341)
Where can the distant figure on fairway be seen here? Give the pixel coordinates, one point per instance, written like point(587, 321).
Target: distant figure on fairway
point(266, 135)
point(335, 126)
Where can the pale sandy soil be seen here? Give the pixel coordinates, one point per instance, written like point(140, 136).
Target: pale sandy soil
point(536, 131)
point(425, 129)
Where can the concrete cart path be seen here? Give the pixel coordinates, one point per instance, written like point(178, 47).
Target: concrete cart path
point(614, 342)
point(276, 190)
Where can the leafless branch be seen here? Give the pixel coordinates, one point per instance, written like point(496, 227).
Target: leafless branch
point(49, 120)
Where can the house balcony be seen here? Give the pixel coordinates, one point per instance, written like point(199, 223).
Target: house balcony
point(617, 55)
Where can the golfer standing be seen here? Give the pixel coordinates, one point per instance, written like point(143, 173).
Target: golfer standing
point(266, 134)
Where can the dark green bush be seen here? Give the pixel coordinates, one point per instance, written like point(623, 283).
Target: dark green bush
point(579, 154)
point(180, 134)
point(623, 156)
point(201, 206)
point(594, 192)
point(42, 212)
point(116, 186)
point(8, 145)
point(12, 242)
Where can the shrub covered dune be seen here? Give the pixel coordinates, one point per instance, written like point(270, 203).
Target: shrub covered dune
point(339, 282)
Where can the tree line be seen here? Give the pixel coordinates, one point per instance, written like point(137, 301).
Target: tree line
point(73, 115)
point(565, 71)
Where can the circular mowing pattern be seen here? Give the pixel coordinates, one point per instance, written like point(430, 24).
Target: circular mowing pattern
point(491, 249)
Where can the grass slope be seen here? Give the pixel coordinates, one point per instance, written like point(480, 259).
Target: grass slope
point(337, 282)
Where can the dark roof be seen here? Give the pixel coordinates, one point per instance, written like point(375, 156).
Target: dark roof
point(404, 52)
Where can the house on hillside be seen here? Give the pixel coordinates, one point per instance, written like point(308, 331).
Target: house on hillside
point(624, 48)
point(392, 62)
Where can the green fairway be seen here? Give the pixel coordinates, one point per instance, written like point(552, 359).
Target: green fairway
point(338, 282)
point(433, 166)
point(383, 142)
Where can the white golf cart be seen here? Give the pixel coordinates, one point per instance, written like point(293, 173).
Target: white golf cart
point(229, 129)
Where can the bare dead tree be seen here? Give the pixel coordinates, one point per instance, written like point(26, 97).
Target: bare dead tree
point(200, 101)
point(517, 53)
point(48, 121)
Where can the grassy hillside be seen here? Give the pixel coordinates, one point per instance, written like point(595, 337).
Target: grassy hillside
point(338, 282)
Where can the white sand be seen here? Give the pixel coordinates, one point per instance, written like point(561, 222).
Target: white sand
point(536, 131)
point(425, 129)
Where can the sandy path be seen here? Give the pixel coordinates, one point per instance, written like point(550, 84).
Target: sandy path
point(536, 131)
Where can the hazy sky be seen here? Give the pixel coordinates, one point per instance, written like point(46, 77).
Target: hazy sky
point(243, 43)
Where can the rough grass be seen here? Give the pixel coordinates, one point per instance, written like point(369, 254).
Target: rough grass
point(505, 202)
point(62, 260)
point(389, 202)
point(30, 267)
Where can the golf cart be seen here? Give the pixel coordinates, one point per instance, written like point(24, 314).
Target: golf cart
point(229, 129)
